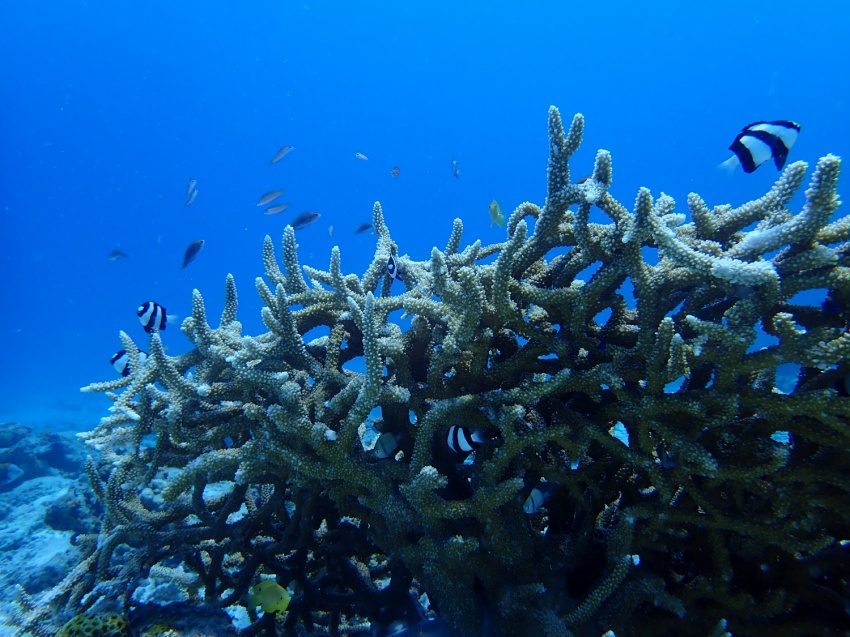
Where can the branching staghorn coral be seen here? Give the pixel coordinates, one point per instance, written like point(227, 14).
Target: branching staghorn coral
point(704, 512)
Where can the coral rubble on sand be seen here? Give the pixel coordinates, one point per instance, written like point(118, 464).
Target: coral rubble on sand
point(721, 499)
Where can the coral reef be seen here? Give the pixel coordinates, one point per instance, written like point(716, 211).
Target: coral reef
point(40, 453)
point(105, 625)
point(718, 503)
point(40, 511)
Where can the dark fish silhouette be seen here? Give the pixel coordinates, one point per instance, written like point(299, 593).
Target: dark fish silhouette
point(304, 219)
point(117, 254)
point(192, 252)
point(364, 227)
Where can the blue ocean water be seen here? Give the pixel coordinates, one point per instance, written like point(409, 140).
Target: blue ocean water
point(108, 109)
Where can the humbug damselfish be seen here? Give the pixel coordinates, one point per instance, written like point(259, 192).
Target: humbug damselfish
point(759, 141)
point(152, 316)
point(463, 441)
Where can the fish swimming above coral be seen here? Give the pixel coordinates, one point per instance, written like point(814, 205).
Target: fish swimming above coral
point(455, 168)
point(496, 214)
point(759, 141)
point(304, 219)
point(192, 252)
point(152, 316)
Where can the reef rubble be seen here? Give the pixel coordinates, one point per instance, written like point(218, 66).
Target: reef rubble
point(668, 510)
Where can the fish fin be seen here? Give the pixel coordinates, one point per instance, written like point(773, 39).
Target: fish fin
point(478, 436)
point(172, 318)
point(729, 165)
point(780, 153)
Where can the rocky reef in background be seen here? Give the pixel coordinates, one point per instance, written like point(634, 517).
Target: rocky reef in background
point(712, 506)
point(46, 504)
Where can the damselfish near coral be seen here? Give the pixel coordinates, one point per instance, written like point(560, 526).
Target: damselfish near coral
point(612, 368)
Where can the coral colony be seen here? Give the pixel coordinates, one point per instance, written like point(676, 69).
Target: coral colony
point(599, 495)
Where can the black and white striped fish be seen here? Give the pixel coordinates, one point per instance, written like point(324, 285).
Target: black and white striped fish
point(394, 269)
point(760, 141)
point(121, 361)
point(152, 316)
point(463, 440)
point(537, 498)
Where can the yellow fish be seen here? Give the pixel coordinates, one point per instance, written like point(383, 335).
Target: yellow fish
point(269, 596)
point(496, 215)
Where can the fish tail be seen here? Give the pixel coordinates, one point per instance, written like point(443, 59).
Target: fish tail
point(729, 165)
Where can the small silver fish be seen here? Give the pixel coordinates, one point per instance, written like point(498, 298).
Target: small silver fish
point(304, 219)
point(117, 254)
point(273, 210)
point(455, 169)
point(270, 196)
point(191, 198)
point(192, 252)
point(191, 187)
point(283, 152)
point(361, 156)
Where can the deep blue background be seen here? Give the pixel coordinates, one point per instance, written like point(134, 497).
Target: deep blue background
point(109, 108)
